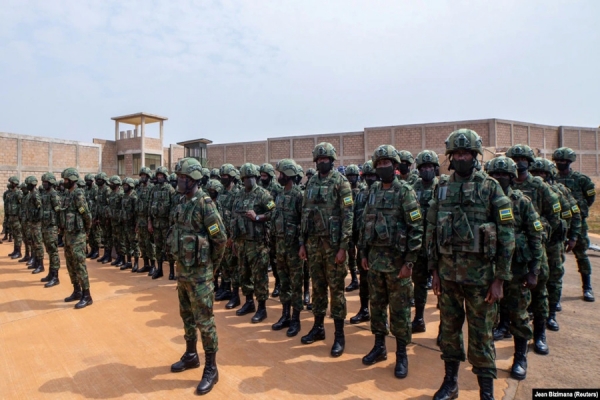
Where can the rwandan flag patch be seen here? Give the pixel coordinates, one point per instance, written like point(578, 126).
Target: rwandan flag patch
point(566, 214)
point(348, 201)
point(81, 210)
point(415, 215)
point(575, 209)
point(213, 229)
point(591, 192)
point(556, 207)
point(506, 214)
point(270, 205)
point(538, 226)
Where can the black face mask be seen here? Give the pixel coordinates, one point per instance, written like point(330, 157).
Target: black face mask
point(68, 184)
point(403, 168)
point(427, 174)
point(30, 187)
point(88, 183)
point(213, 194)
point(160, 180)
point(46, 185)
point(265, 182)
point(126, 188)
point(522, 166)
point(100, 182)
point(386, 173)
point(463, 167)
point(173, 184)
point(353, 179)
point(504, 182)
point(562, 166)
point(324, 167)
point(185, 185)
point(225, 182)
point(249, 183)
point(204, 180)
point(283, 180)
point(143, 179)
point(370, 181)
point(112, 186)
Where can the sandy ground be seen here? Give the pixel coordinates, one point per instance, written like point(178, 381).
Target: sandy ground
point(122, 347)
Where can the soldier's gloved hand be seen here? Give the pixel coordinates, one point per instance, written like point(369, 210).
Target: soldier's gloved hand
point(436, 284)
point(495, 292)
point(364, 263)
point(530, 281)
point(570, 245)
point(302, 253)
point(340, 257)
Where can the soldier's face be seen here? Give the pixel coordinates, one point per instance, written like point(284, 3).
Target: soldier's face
point(384, 163)
point(462, 155)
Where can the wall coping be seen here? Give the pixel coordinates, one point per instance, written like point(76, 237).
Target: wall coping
point(47, 140)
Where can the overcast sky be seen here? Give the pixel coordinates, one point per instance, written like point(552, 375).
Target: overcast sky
point(248, 70)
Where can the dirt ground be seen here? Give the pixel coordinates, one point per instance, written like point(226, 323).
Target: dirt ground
point(122, 347)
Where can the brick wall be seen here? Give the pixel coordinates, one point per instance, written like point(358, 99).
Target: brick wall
point(354, 145)
point(278, 149)
point(255, 152)
point(109, 156)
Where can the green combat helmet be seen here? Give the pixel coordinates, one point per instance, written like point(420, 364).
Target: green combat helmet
point(287, 167)
point(89, 177)
point(267, 169)
point(146, 171)
point(205, 172)
point(540, 164)
point(101, 177)
point(564, 153)
point(136, 182)
point(521, 150)
point(214, 185)
point(215, 173)
point(50, 178)
point(427, 157)
point(173, 177)
point(407, 156)
point(31, 180)
point(129, 181)
point(13, 179)
point(300, 171)
point(162, 170)
point(352, 169)
point(368, 168)
point(502, 164)
point(464, 139)
point(70, 174)
point(324, 149)
point(115, 180)
point(8, 186)
point(227, 169)
point(81, 183)
point(310, 172)
point(385, 152)
point(249, 170)
point(190, 167)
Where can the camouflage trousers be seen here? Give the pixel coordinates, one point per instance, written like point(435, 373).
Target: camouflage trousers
point(37, 241)
point(455, 298)
point(326, 275)
point(352, 256)
point(556, 270)
point(539, 294)
point(253, 266)
point(273, 256)
point(514, 304)
point(75, 244)
point(420, 274)
point(289, 268)
point(146, 243)
point(50, 235)
point(130, 240)
point(107, 234)
point(196, 299)
point(580, 250)
point(161, 229)
point(386, 289)
point(228, 266)
point(118, 236)
point(95, 236)
point(26, 236)
point(14, 224)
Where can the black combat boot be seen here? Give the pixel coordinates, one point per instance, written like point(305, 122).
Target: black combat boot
point(15, 249)
point(153, 267)
point(53, 279)
point(377, 353)
point(558, 307)
point(235, 299)
point(32, 263)
point(539, 336)
point(146, 267)
point(353, 282)
point(25, 258)
point(284, 321)
point(61, 243)
point(76, 295)
point(122, 261)
point(39, 267)
point(588, 294)
point(126, 265)
point(294, 324)
point(429, 285)
point(306, 283)
point(340, 340)
point(276, 289)
point(247, 308)
point(172, 273)
point(261, 313)
point(117, 261)
point(317, 332)
point(449, 388)
point(363, 314)
point(210, 376)
point(401, 368)
point(551, 322)
point(412, 301)
point(16, 253)
point(518, 370)
point(486, 388)
point(47, 277)
point(5, 232)
point(158, 272)
point(95, 253)
point(10, 237)
point(100, 259)
point(136, 264)
point(225, 292)
point(217, 289)
point(86, 300)
point(418, 324)
point(189, 359)
point(108, 259)
point(502, 331)
point(89, 253)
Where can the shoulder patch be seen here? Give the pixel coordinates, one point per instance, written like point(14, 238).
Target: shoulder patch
point(591, 192)
point(566, 214)
point(214, 229)
point(575, 209)
point(556, 208)
point(81, 210)
point(506, 214)
point(271, 205)
point(415, 215)
point(538, 225)
point(348, 201)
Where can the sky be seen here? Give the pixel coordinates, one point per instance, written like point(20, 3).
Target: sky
point(247, 70)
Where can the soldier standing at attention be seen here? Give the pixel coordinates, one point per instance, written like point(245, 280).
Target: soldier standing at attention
point(286, 228)
point(229, 263)
point(175, 201)
point(584, 191)
point(142, 212)
point(115, 204)
point(51, 206)
point(526, 262)
point(29, 255)
point(130, 237)
point(13, 210)
point(269, 183)
point(391, 241)
point(407, 161)
point(213, 189)
point(352, 174)
point(310, 172)
point(198, 245)
point(76, 220)
point(34, 220)
point(102, 217)
point(252, 208)
point(327, 215)
point(5, 228)
point(425, 185)
point(469, 269)
point(158, 222)
point(205, 177)
point(547, 205)
point(95, 237)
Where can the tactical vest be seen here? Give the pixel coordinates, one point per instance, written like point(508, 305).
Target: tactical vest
point(23, 208)
point(128, 208)
point(286, 217)
point(49, 213)
point(566, 215)
point(13, 205)
point(189, 240)
point(522, 254)
point(226, 199)
point(115, 202)
point(102, 202)
point(142, 206)
point(90, 196)
point(34, 214)
point(424, 195)
point(160, 202)
point(571, 181)
point(175, 202)
point(71, 219)
point(531, 188)
point(242, 227)
point(384, 217)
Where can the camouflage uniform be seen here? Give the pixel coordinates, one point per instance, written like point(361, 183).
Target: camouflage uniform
point(249, 238)
point(160, 210)
point(95, 236)
point(465, 217)
point(175, 201)
point(33, 209)
point(143, 212)
point(229, 262)
point(12, 206)
point(274, 188)
point(584, 191)
point(25, 226)
point(103, 219)
point(407, 159)
point(128, 217)
point(115, 205)
point(51, 206)
point(391, 238)
point(327, 219)
point(356, 186)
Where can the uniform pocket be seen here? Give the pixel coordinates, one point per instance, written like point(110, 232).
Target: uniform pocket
point(70, 222)
point(188, 250)
point(444, 232)
point(334, 230)
point(401, 237)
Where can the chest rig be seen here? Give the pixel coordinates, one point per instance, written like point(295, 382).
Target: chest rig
point(384, 217)
point(286, 216)
point(321, 215)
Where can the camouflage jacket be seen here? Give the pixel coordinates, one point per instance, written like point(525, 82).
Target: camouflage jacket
point(410, 178)
point(128, 208)
point(288, 215)
point(424, 194)
point(160, 204)
point(102, 211)
point(570, 215)
point(115, 204)
point(142, 207)
point(91, 194)
point(545, 202)
point(327, 209)
point(360, 202)
point(257, 199)
point(392, 220)
point(470, 230)
point(75, 216)
point(177, 199)
point(51, 206)
point(528, 235)
point(33, 206)
point(582, 188)
point(23, 216)
point(13, 202)
point(226, 199)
